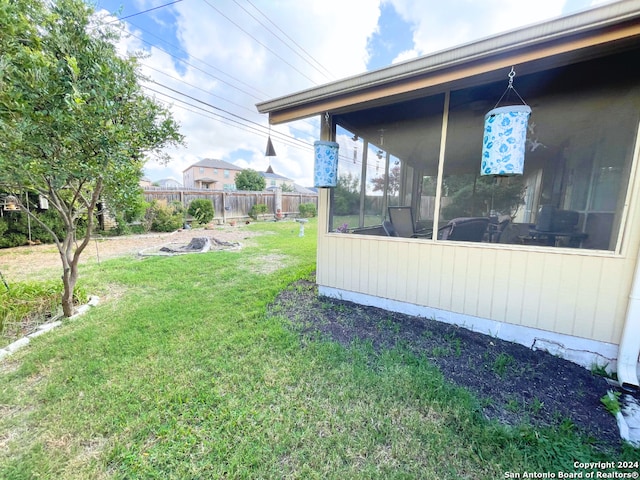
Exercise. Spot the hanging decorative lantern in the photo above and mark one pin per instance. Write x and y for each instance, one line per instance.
(505, 136)
(325, 168)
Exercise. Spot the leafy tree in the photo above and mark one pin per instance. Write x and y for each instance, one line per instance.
(473, 195)
(286, 188)
(346, 195)
(74, 122)
(394, 181)
(250, 180)
(202, 210)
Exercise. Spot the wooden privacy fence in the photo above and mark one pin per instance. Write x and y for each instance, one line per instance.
(234, 205)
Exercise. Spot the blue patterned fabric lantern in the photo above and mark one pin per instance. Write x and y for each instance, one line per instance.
(325, 168)
(504, 140)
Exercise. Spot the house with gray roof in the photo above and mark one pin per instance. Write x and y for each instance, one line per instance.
(211, 174)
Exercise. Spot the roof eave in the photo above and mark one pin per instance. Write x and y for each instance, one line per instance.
(557, 30)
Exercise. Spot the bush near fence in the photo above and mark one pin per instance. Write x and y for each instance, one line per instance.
(233, 205)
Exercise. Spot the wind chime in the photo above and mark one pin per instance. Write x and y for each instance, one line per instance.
(505, 136)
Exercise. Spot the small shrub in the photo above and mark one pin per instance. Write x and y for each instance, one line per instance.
(258, 209)
(9, 240)
(202, 210)
(308, 210)
(165, 218)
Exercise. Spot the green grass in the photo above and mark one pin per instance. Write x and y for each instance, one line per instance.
(179, 373)
(25, 305)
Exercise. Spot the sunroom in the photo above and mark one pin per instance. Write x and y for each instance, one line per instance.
(546, 257)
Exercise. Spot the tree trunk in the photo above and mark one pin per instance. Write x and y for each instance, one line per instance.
(69, 274)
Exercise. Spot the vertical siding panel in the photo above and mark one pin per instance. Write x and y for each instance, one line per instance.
(516, 287)
(373, 269)
(425, 272)
(586, 298)
(381, 261)
(446, 278)
(346, 244)
(488, 261)
(473, 285)
(533, 294)
(399, 263)
(325, 262)
(390, 259)
(434, 278)
(549, 287)
(460, 274)
(412, 280)
(610, 287)
(363, 263)
(500, 291)
(567, 294)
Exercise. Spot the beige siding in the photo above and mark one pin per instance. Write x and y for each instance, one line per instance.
(577, 293)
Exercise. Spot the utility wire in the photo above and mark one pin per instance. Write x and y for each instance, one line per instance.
(286, 138)
(208, 92)
(259, 42)
(328, 73)
(193, 66)
(281, 40)
(145, 11)
(198, 68)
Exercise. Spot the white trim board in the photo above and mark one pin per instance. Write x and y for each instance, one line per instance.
(585, 352)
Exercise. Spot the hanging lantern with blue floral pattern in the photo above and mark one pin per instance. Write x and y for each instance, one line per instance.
(505, 137)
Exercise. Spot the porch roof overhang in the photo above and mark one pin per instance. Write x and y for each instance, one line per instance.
(562, 41)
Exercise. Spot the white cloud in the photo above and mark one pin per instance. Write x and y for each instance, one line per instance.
(232, 69)
(440, 25)
(333, 32)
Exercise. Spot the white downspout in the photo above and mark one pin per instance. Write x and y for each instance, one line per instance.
(629, 349)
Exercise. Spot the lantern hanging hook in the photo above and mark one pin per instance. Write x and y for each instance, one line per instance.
(510, 87)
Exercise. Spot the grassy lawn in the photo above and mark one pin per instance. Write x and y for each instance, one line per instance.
(180, 374)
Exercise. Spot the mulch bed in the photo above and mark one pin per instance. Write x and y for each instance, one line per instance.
(513, 383)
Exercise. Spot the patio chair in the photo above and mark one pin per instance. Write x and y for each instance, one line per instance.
(388, 229)
(464, 229)
(402, 221)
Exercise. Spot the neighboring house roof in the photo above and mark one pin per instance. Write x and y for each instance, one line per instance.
(168, 181)
(275, 176)
(214, 163)
(206, 179)
(301, 189)
(586, 33)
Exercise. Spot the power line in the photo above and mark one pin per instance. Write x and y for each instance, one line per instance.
(145, 11)
(194, 66)
(197, 88)
(283, 137)
(198, 68)
(328, 76)
(259, 42)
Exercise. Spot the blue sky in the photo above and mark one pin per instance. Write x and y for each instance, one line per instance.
(211, 61)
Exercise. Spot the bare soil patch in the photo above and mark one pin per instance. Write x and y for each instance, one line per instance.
(42, 261)
(514, 384)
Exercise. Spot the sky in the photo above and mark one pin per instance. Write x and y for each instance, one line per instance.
(211, 61)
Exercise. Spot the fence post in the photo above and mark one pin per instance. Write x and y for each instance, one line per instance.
(224, 208)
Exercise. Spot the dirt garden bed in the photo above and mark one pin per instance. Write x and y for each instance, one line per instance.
(513, 383)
